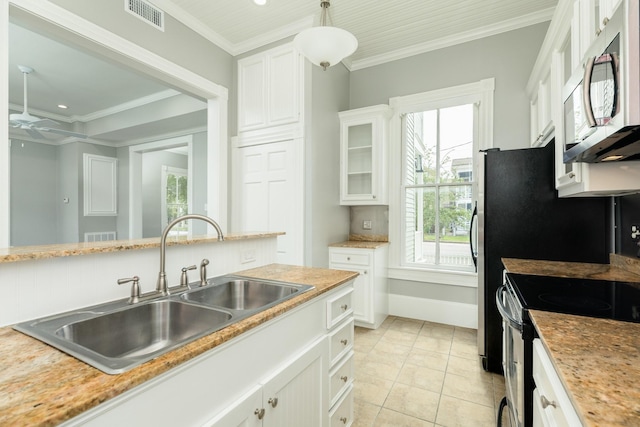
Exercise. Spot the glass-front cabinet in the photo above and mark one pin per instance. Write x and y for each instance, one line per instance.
(363, 168)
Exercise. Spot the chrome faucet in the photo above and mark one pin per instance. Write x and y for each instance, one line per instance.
(161, 286)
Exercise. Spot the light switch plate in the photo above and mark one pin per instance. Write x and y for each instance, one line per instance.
(366, 224)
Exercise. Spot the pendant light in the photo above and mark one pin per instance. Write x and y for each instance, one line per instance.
(325, 45)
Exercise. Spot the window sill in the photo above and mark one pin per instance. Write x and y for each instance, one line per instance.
(442, 277)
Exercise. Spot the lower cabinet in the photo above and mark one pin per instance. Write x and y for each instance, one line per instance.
(294, 370)
(370, 290)
(551, 404)
(291, 397)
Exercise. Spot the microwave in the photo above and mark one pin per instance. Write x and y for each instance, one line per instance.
(602, 100)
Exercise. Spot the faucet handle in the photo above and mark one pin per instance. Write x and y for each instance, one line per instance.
(184, 280)
(135, 288)
(203, 272)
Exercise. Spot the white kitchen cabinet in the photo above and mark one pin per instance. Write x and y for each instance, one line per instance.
(269, 88)
(286, 358)
(542, 126)
(364, 134)
(291, 397)
(551, 404)
(370, 289)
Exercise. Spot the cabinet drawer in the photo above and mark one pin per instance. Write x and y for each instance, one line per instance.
(552, 404)
(341, 377)
(342, 414)
(349, 258)
(339, 307)
(341, 341)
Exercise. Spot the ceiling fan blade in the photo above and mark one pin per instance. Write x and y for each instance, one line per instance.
(33, 133)
(63, 132)
(44, 123)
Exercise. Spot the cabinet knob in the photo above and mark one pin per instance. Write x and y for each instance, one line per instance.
(598, 31)
(343, 419)
(348, 258)
(259, 413)
(374, 196)
(273, 401)
(364, 272)
(605, 21)
(572, 175)
(344, 307)
(344, 342)
(545, 402)
(344, 378)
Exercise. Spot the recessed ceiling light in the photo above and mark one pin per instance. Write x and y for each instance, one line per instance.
(260, 2)
(64, 107)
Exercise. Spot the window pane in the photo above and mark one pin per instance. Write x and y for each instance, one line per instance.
(456, 143)
(455, 210)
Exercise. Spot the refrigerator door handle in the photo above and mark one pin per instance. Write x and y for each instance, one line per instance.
(474, 251)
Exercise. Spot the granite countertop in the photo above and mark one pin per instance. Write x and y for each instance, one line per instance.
(598, 362)
(620, 268)
(23, 253)
(358, 244)
(42, 386)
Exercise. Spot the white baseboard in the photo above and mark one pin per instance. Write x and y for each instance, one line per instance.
(447, 312)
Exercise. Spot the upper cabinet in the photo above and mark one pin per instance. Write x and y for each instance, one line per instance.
(269, 88)
(574, 28)
(363, 146)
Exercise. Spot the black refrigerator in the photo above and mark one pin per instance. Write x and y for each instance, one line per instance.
(519, 215)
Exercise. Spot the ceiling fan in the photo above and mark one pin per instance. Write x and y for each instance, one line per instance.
(34, 125)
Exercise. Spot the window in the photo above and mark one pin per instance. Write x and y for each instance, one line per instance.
(438, 192)
(436, 138)
(174, 198)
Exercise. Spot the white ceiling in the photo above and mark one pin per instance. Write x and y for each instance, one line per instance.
(386, 30)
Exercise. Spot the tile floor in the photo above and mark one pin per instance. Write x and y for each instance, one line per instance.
(410, 373)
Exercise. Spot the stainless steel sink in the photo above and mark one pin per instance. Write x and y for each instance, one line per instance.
(116, 336)
(122, 339)
(243, 293)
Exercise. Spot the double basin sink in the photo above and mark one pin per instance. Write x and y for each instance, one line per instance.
(115, 337)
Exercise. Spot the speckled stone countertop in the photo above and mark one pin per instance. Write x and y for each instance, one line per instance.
(620, 268)
(23, 253)
(358, 244)
(598, 362)
(41, 386)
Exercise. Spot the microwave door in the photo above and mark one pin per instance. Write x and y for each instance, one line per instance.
(601, 89)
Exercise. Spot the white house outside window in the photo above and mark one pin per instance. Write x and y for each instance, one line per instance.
(436, 138)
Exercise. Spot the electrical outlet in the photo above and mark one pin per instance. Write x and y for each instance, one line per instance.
(366, 224)
(635, 231)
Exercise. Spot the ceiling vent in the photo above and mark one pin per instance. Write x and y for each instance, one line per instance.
(146, 11)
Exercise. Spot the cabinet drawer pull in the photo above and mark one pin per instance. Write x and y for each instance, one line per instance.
(344, 342)
(344, 307)
(348, 258)
(273, 401)
(545, 402)
(343, 419)
(344, 378)
(259, 413)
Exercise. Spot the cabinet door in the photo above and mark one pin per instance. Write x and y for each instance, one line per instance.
(252, 93)
(295, 395)
(245, 412)
(362, 309)
(268, 195)
(283, 81)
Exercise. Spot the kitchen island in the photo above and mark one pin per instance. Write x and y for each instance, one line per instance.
(595, 359)
(41, 386)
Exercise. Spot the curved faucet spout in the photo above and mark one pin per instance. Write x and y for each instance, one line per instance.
(161, 286)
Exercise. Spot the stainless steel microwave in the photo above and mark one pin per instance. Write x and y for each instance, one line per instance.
(602, 101)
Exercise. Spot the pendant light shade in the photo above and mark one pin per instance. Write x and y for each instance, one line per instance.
(325, 45)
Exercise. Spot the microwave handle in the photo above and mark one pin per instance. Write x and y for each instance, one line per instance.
(586, 91)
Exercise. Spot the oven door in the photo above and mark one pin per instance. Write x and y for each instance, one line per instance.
(512, 353)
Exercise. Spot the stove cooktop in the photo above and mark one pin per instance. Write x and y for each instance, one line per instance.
(586, 297)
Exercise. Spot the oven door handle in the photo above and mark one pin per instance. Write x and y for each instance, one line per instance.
(512, 321)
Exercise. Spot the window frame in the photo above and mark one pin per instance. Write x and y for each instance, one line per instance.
(480, 93)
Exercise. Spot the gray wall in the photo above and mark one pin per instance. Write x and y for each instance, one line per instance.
(33, 193)
(507, 57)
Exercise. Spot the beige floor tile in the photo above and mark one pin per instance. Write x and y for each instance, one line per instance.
(466, 334)
(418, 376)
(387, 322)
(365, 343)
(428, 359)
(367, 332)
(454, 412)
(480, 392)
(371, 390)
(464, 349)
(438, 345)
(413, 401)
(380, 364)
(399, 351)
(389, 418)
(406, 325)
(364, 413)
(399, 337)
(437, 330)
(469, 368)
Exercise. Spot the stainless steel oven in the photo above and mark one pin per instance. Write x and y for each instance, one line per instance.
(513, 352)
